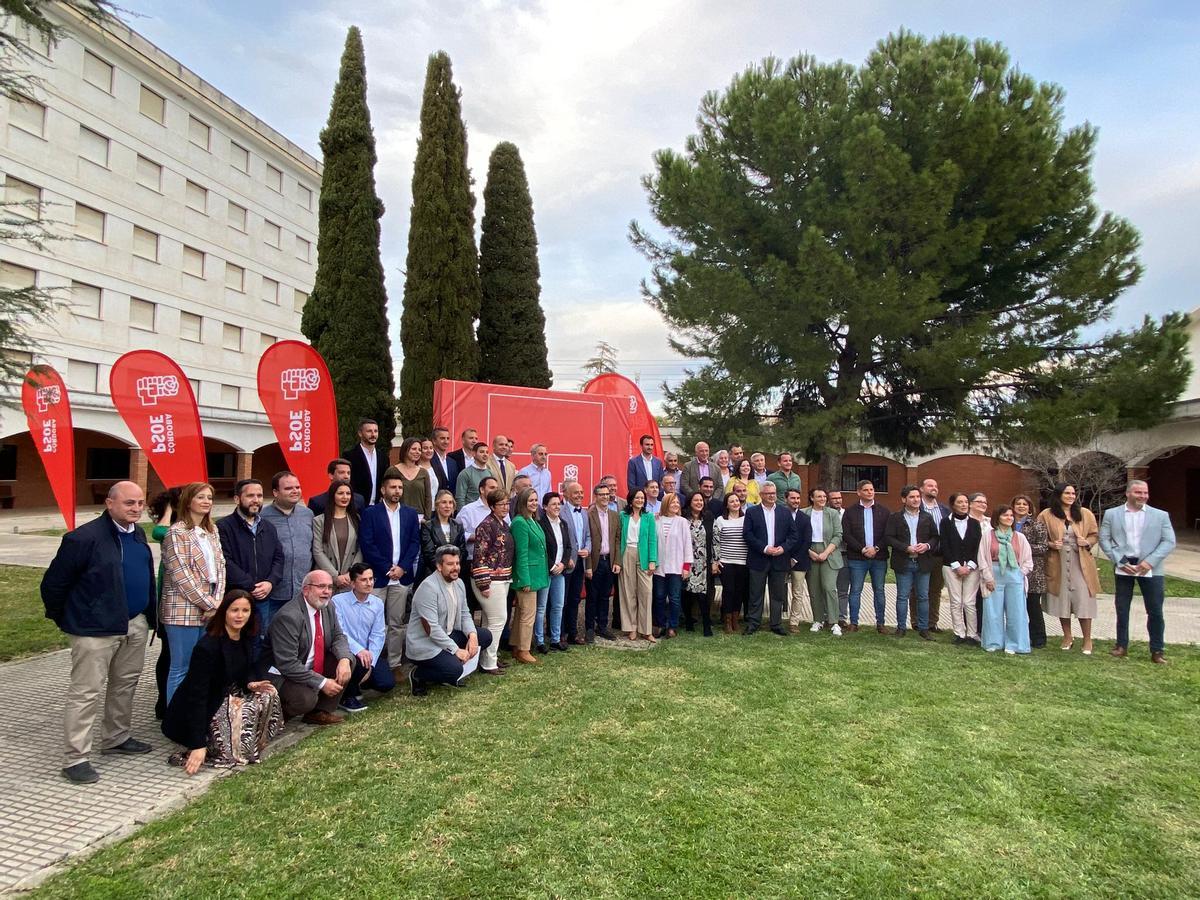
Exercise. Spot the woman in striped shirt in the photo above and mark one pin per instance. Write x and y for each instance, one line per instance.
(729, 545)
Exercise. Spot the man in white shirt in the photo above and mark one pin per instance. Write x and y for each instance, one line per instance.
(361, 615)
(538, 471)
(645, 466)
(758, 469)
(367, 461)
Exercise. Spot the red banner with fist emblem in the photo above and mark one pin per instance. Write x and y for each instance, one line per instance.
(297, 393)
(48, 411)
(155, 399)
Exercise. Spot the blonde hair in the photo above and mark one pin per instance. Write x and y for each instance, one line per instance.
(187, 494)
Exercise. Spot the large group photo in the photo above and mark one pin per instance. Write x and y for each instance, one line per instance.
(808, 504)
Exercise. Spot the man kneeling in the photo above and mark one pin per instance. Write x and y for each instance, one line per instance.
(441, 638)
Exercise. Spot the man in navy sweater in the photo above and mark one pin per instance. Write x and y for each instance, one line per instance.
(99, 589)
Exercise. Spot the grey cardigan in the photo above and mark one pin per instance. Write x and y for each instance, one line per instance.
(427, 635)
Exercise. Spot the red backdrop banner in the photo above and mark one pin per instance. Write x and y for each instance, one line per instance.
(155, 399)
(297, 393)
(48, 411)
(587, 436)
(641, 421)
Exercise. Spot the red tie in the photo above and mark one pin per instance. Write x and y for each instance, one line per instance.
(318, 645)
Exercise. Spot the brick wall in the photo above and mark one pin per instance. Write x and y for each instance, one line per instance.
(966, 472)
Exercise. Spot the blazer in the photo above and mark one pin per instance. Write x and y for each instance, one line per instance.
(1158, 537)
(897, 536)
(529, 555)
(447, 477)
(566, 539)
(647, 540)
(852, 531)
(831, 533)
(755, 531)
(316, 502)
(962, 550)
(433, 537)
(250, 556)
(375, 540)
(635, 472)
(510, 473)
(326, 556)
(217, 665)
(691, 478)
(290, 637)
(614, 536)
(426, 635)
(801, 540)
(360, 473)
(459, 457)
(187, 591)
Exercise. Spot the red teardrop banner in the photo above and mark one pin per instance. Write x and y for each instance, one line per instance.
(296, 391)
(155, 399)
(48, 411)
(641, 421)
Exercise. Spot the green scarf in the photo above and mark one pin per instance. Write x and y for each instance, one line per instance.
(1008, 556)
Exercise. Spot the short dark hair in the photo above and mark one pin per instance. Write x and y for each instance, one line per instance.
(862, 484)
(216, 625)
(999, 511)
(485, 479)
(279, 476)
(644, 437)
(477, 445)
(709, 479)
(443, 551)
(550, 495)
(795, 491)
(366, 421)
(237, 488)
(497, 496)
(357, 569)
(908, 489)
(392, 473)
(439, 428)
(170, 497)
(813, 490)
(334, 463)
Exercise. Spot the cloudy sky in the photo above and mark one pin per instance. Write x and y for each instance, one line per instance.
(589, 90)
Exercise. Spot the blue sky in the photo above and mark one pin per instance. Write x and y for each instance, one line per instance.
(589, 91)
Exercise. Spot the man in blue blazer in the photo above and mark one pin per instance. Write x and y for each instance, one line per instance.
(643, 467)
(1137, 538)
(390, 540)
(770, 549)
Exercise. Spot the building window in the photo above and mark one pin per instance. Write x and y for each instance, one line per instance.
(145, 244)
(239, 157)
(190, 326)
(89, 223)
(8, 462)
(237, 216)
(27, 114)
(193, 261)
(93, 146)
(230, 396)
(299, 298)
(270, 290)
(148, 174)
(303, 249)
(852, 475)
(274, 179)
(235, 277)
(82, 376)
(17, 278)
(271, 234)
(152, 105)
(142, 314)
(107, 464)
(231, 337)
(22, 199)
(265, 341)
(96, 71)
(195, 384)
(304, 196)
(196, 197)
(198, 132)
(85, 300)
(221, 465)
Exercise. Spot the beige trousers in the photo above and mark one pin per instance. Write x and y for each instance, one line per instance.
(637, 595)
(94, 660)
(395, 616)
(799, 606)
(520, 635)
(494, 605)
(962, 593)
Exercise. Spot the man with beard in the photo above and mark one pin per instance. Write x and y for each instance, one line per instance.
(253, 555)
(368, 461)
(441, 636)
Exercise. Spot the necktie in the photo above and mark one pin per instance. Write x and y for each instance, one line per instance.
(318, 644)
(502, 475)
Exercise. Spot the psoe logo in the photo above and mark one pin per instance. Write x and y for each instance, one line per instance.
(571, 472)
(151, 387)
(47, 397)
(633, 404)
(294, 382)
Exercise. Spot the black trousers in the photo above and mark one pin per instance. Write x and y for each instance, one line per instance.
(772, 582)
(1037, 622)
(702, 600)
(574, 587)
(599, 587)
(446, 668)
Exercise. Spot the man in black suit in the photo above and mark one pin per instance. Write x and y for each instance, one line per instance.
(863, 527)
(445, 469)
(338, 470)
(937, 511)
(463, 455)
(770, 549)
(368, 462)
(913, 538)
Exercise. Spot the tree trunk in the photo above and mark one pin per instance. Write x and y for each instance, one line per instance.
(830, 463)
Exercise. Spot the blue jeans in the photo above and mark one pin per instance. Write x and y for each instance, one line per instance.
(183, 640)
(858, 577)
(1005, 617)
(549, 610)
(906, 577)
(668, 600)
(1153, 590)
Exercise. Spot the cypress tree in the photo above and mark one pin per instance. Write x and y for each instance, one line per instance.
(441, 287)
(512, 327)
(345, 317)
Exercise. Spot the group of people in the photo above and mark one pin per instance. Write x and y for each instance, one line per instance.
(294, 608)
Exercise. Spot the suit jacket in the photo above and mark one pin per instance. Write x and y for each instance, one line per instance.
(431, 540)
(375, 540)
(897, 536)
(510, 473)
(187, 592)
(217, 664)
(614, 536)
(831, 533)
(801, 539)
(291, 635)
(447, 477)
(316, 502)
(756, 539)
(635, 472)
(1158, 537)
(360, 474)
(565, 537)
(691, 478)
(326, 556)
(852, 531)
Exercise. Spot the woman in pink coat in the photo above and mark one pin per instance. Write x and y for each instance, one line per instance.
(1005, 563)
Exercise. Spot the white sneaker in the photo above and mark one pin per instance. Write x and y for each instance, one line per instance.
(816, 626)
(1008, 652)
(836, 630)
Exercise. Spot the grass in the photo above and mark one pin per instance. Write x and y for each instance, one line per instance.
(805, 767)
(1172, 586)
(26, 629)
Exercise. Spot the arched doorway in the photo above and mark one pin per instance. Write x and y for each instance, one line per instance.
(1174, 477)
(101, 460)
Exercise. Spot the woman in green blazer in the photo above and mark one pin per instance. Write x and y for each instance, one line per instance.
(826, 560)
(638, 553)
(531, 573)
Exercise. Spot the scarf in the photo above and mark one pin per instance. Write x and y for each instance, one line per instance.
(1007, 556)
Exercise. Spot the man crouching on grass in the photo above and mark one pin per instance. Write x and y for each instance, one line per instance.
(442, 639)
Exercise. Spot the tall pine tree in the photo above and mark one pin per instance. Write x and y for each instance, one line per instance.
(512, 327)
(441, 287)
(345, 317)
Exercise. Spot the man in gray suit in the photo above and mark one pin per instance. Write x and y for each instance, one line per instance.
(441, 636)
(700, 466)
(1137, 538)
(309, 656)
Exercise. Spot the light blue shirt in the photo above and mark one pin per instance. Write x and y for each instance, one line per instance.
(362, 622)
(913, 520)
(869, 525)
(577, 516)
(539, 480)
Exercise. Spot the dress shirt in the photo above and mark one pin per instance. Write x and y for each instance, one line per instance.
(394, 519)
(210, 560)
(605, 544)
(760, 477)
(312, 640)
(469, 518)
(1135, 523)
(702, 470)
(935, 511)
(577, 519)
(912, 519)
(653, 506)
(369, 453)
(362, 622)
(556, 536)
(817, 517)
(648, 465)
(539, 480)
(252, 525)
(868, 524)
(769, 518)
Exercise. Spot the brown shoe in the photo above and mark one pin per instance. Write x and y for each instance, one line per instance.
(524, 656)
(320, 717)
(793, 629)
(881, 629)
(1158, 659)
(1118, 652)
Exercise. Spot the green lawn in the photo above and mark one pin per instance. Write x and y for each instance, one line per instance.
(808, 766)
(26, 629)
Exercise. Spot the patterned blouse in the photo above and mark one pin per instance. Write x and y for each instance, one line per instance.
(1035, 533)
(493, 552)
(697, 581)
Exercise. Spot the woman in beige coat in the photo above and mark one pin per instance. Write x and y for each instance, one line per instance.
(1072, 582)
